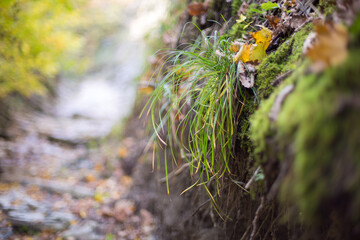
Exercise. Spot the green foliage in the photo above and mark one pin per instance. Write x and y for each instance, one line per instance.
(264, 7)
(327, 7)
(198, 89)
(35, 36)
(235, 5)
(269, 6)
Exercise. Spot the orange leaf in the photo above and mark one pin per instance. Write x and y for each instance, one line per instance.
(146, 90)
(234, 47)
(123, 152)
(273, 21)
(197, 9)
(329, 47)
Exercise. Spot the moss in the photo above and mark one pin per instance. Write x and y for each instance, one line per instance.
(355, 31)
(235, 6)
(319, 118)
(287, 57)
(327, 7)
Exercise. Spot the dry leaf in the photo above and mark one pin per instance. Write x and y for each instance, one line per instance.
(273, 21)
(197, 8)
(329, 46)
(246, 75)
(90, 178)
(123, 152)
(235, 47)
(146, 90)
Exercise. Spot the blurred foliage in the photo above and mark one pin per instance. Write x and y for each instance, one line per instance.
(35, 38)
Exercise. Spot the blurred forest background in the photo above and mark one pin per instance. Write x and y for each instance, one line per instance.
(159, 119)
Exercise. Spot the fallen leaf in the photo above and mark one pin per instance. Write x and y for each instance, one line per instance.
(234, 47)
(262, 37)
(197, 8)
(123, 152)
(90, 178)
(100, 197)
(250, 53)
(83, 214)
(290, 3)
(146, 89)
(98, 167)
(255, 52)
(246, 75)
(273, 21)
(241, 19)
(329, 46)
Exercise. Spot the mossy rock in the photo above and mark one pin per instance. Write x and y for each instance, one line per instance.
(321, 119)
(318, 128)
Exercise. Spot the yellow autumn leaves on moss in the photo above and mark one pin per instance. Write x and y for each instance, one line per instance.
(255, 52)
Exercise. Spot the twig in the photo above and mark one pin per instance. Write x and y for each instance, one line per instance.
(201, 205)
(254, 222)
(310, 19)
(245, 233)
(248, 184)
(280, 78)
(176, 172)
(280, 98)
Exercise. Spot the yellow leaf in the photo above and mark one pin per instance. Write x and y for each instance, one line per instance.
(244, 53)
(242, 18)
(247, 25)
(250, 53)
(255, 52)
(99, 197)
(263, 37)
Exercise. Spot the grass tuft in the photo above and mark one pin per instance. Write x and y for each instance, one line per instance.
(193, 107)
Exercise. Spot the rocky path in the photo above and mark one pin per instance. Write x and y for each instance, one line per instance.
(59, 186)
(61, 176)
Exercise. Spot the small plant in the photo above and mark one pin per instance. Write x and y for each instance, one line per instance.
(198, 95)
(264, 7)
